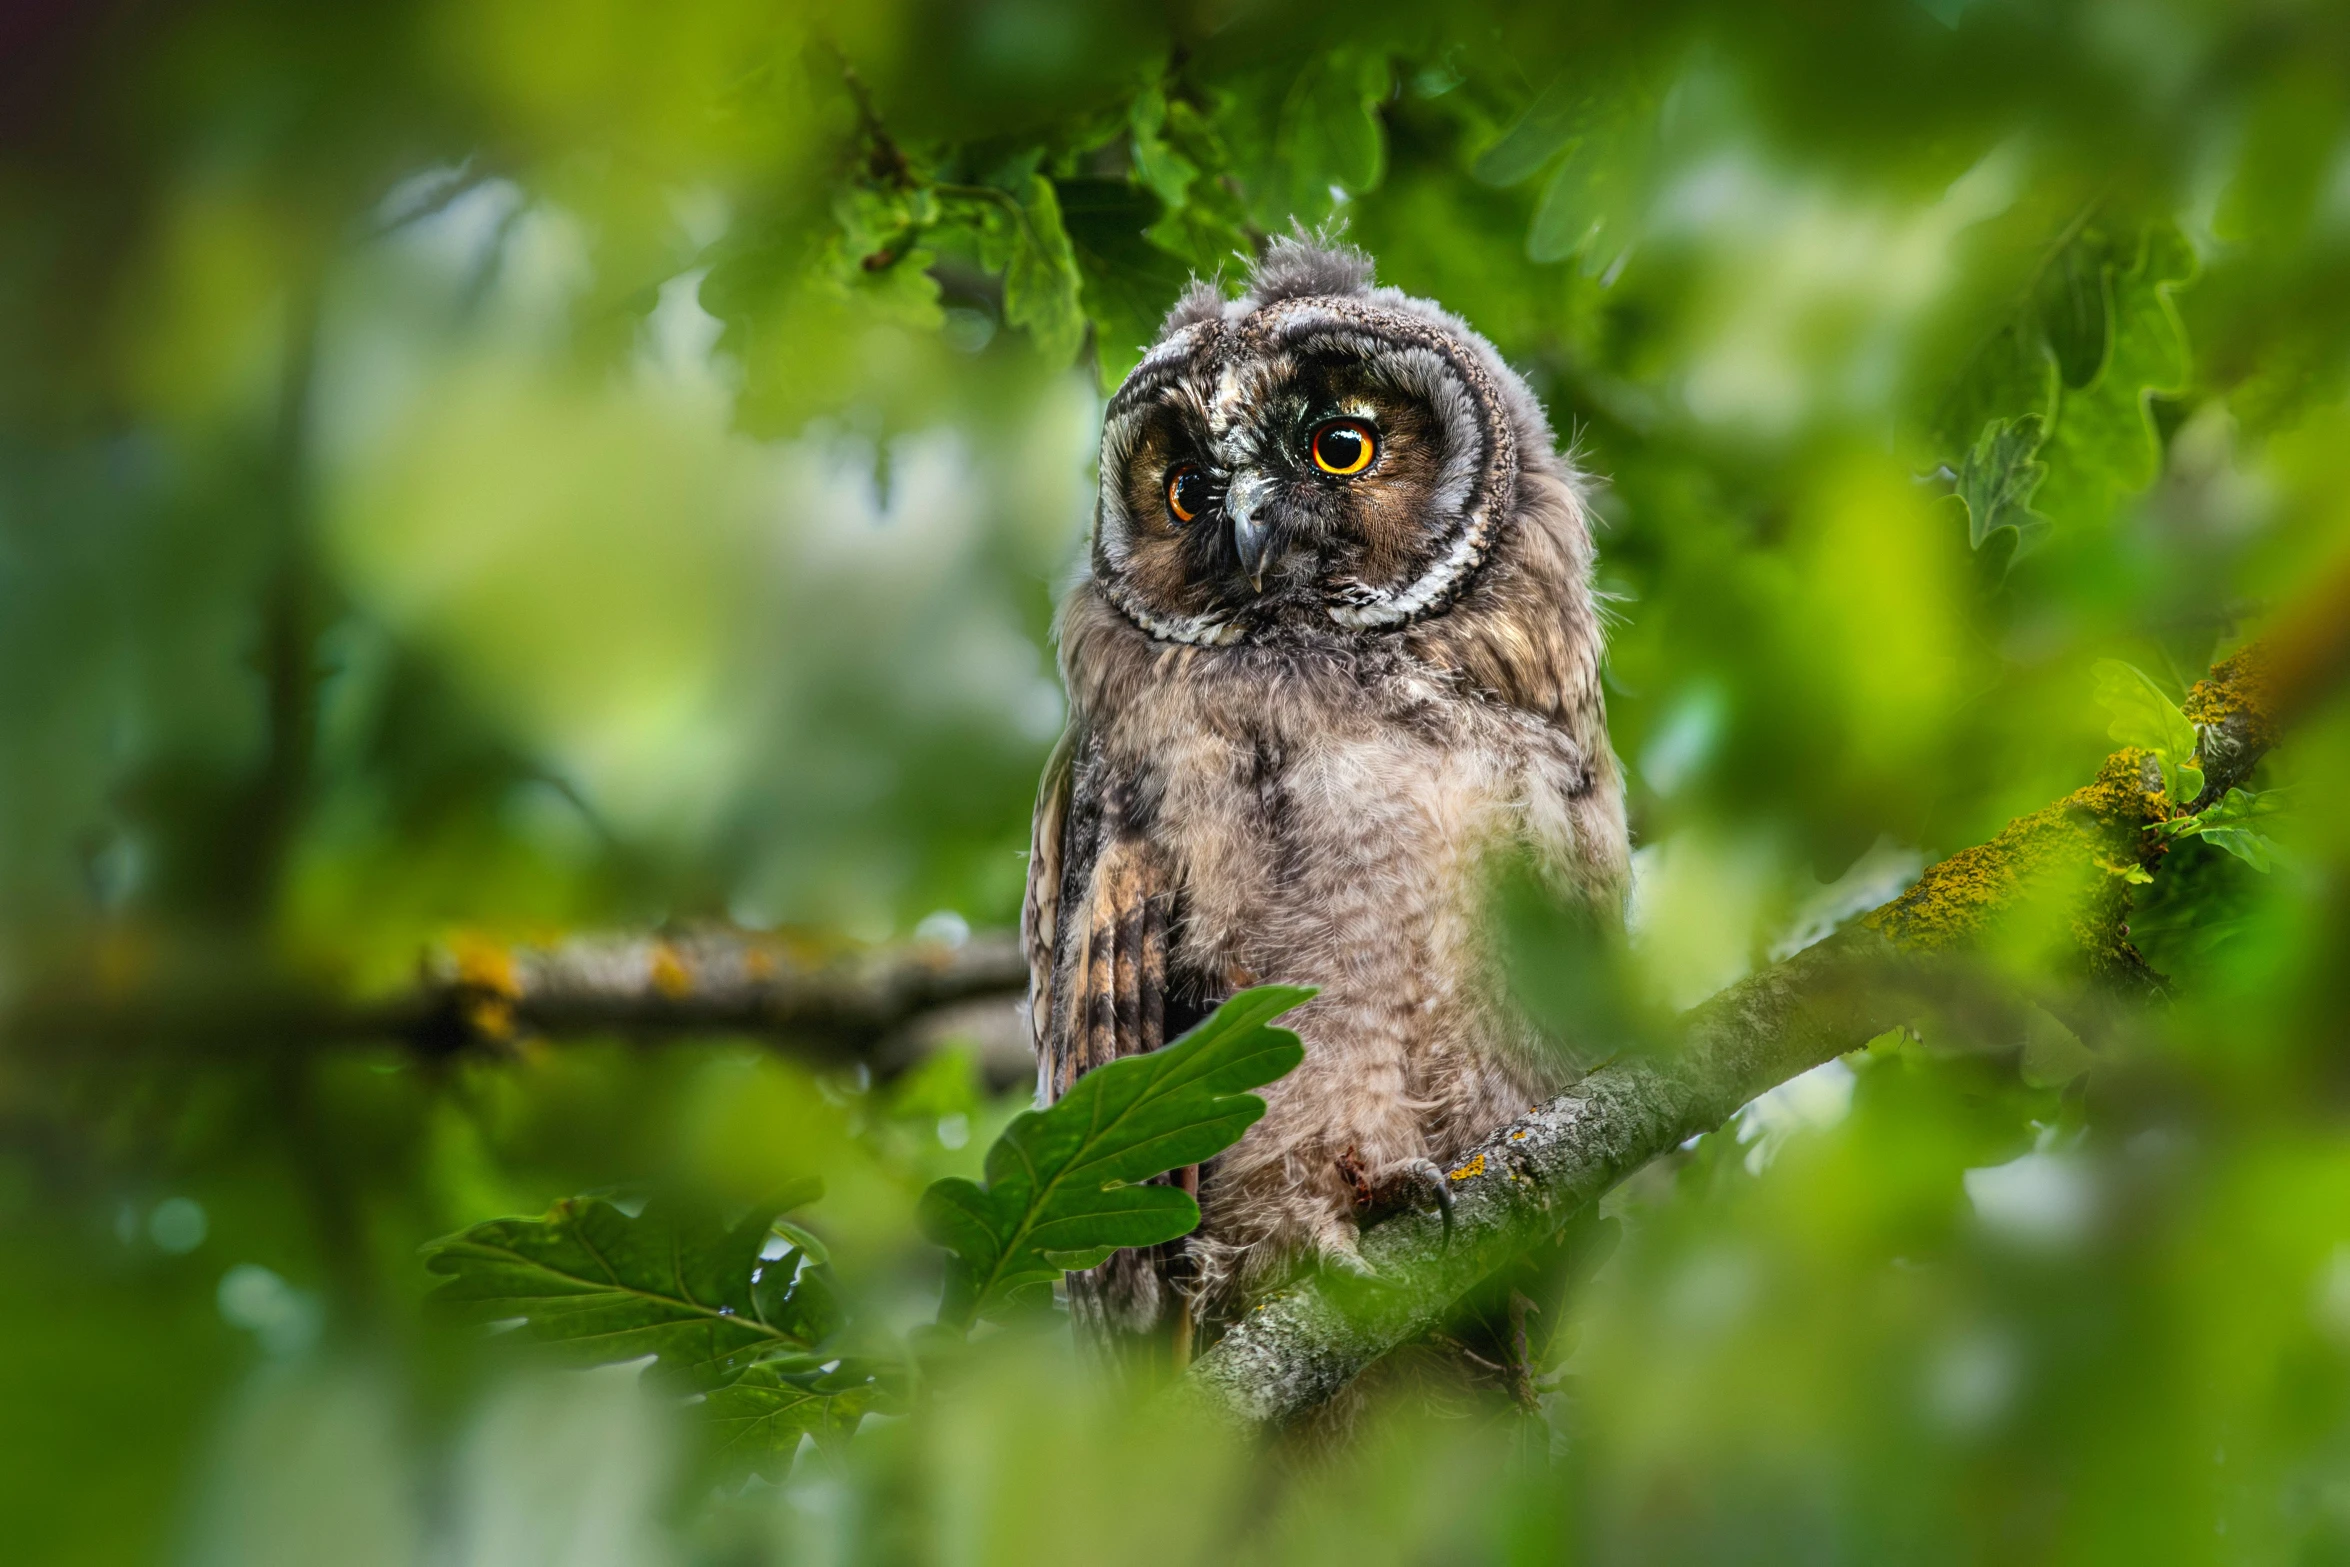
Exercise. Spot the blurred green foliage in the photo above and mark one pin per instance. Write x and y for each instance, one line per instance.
(515, 466)
(746, 1313)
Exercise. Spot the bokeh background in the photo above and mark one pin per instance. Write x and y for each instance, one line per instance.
(497, 469)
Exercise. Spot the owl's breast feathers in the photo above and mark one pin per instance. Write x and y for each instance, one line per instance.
(1222, 816)
(1219, 817)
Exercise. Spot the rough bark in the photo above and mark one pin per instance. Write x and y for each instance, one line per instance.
(1302, 1345)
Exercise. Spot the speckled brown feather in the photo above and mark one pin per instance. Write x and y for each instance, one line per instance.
(1097, 977)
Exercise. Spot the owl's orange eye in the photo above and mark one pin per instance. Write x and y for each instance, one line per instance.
(1344, 447)
(1187, 493)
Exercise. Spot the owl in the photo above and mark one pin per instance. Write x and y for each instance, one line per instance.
(1335, 655)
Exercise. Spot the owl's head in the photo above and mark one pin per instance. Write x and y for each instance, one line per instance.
(1317, 457)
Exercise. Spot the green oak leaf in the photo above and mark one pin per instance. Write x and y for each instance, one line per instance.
(2222, 824)
(1041, 282)
(2073, 300)
(600, 1286)
(1997, 480)
(1549, 123)
(1207, 229)
(1308, 136)
(756, 1421)
(2103, 445)
(1128, 282)
(1066, 1186)
(1330, 130)
(2238, 806)
(2254, 849)
(1158, 162)
(1571, 212)
(875, 256)
(1587, 205)
(748, 1331)
(2013, 375)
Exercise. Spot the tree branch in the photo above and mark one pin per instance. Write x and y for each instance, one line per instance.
(835, 1005)
(1297, 1348)
(841, 1003)
(1304, 1344)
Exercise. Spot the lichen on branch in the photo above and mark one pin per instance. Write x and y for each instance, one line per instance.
(2075, 861)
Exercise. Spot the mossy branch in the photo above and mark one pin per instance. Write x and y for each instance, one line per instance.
(2071, 860)
(1296, 1349)
(2067, 871)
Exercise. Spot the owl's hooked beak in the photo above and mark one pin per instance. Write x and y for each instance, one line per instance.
(1251, 534)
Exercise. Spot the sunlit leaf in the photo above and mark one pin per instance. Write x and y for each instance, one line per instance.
(2244, 805)
(2223, 825)
(2142, 714)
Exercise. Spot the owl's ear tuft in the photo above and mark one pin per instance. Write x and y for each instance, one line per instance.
(1202, 301)
(1298, 265)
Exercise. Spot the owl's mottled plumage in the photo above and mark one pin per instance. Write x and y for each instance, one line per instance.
(1298, 772)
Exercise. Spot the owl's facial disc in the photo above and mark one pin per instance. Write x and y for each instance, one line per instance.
(1318, 467)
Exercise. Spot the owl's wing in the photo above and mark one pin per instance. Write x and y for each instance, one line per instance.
(1040, 906)
(1095, 926)
(1094, 923)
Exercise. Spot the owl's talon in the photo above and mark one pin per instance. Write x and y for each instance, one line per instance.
(1433, 1174)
